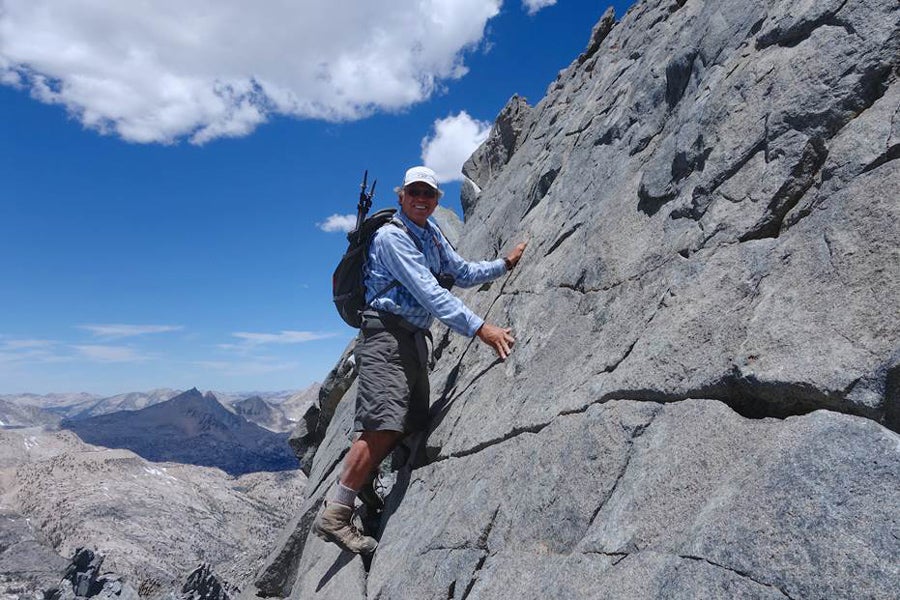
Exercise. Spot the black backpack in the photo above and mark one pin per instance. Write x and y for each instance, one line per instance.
(347, 281)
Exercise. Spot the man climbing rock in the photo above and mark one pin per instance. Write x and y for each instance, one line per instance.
(392, 354)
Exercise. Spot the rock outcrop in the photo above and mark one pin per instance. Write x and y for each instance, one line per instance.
(84, 579)
(153, 522)
(28, 563)
(705, 390)
(204, 584)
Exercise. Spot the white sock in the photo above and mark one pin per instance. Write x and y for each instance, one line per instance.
(341, 494)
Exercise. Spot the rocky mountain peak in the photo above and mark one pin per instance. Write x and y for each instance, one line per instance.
(193, 428)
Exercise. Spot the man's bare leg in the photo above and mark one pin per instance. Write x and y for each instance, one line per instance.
(365, 455)
(334, 522)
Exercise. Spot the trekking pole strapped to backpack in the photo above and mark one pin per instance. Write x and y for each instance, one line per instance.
(365, 203)
(348, 286)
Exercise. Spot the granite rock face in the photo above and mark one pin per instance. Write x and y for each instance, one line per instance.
(705, 388)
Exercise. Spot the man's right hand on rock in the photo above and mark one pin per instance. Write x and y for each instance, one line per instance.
(498, 338)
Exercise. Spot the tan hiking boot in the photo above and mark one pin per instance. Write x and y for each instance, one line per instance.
(334, 525)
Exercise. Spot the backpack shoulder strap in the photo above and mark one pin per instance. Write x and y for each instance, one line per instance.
(401, 225)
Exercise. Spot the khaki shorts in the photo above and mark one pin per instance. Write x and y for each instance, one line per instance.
(393, 391)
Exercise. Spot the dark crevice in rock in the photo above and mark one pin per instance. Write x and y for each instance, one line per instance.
(702, 194)
(892, 398)
(326, 478)
(892, 153)
(615, 365)
(482, 545)
(802, 177)
(451, 591)
(474, 379)
(643, 142)
(755, 29)
(636, 433)
(686, 162)
(649, 203)
(617, 556)
(474, 578)
(802, 30)
(516, 432)
(563, 237)
(738, 572)
(440, 347)
(872, 85)
(486, 532)
(541, 188)
(447, 395)
(678, 75)
(583, 128)
(755, 399)
(579, 287)
(452, 378)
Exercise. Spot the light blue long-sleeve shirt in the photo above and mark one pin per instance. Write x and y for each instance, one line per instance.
(394, 256)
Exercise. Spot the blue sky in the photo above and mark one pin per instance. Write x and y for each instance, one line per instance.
(170, 234)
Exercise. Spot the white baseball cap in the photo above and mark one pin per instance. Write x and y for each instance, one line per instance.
(423, 174)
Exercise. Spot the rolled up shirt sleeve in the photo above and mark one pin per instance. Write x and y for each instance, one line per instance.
(406, 264)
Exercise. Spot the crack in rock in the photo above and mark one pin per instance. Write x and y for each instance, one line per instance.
(481, 544)
(516, 432)
(620, 556)
(638, 432)
(563, 237)
(662, 303)
(801, 179)
(738, 572)
(892, 153)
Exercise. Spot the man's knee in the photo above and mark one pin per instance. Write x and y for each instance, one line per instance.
(380, 439)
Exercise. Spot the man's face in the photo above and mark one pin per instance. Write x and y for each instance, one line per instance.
(418, 201)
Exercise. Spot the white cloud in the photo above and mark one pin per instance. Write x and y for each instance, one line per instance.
(338, 223)
(101, 353)
(283, 337)
(454, 140)
(532, 6)
(163, 70)
(121, 331)
(26, 344)
(22, 351)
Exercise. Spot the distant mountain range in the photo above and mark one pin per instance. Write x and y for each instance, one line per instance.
(281, 409)
(191, 428)
(13, 414)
